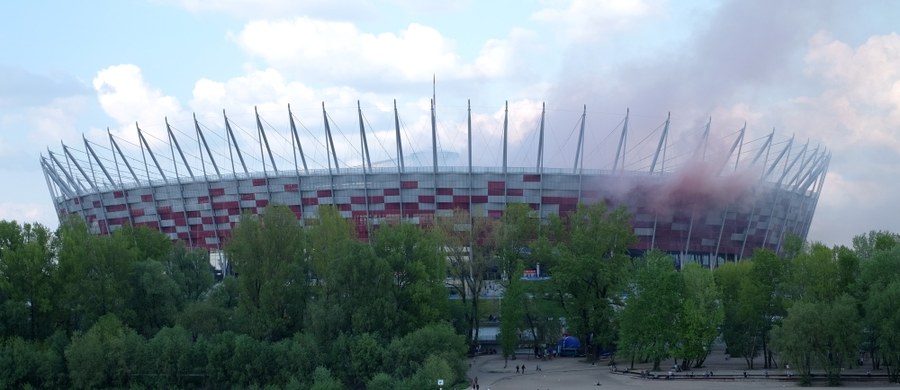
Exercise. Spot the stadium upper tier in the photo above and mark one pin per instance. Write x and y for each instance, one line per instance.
(700, 197)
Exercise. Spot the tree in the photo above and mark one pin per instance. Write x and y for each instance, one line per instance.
(877, 273)
(511, 315)
(27, 275)
(883, 315)
(381, 381)
(323, 380)
(649, 321)
(31, 364)
(434, 367)
(148, 242)
(589, 276)
(819, 334)
(701, 316)
(515, 231)
(354, 297)
(153, 302)
(468, 250)
(329, 237)
(94, 274)
(169, 355)
(744, 307)
(865, 245)
(269, 256)
(769, 273)
(408, 353)
(366, 358)
(417, 270)
(107, 355)
(814, 275)
(191, 271)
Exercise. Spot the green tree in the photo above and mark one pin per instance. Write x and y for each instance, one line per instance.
(366, 358)
(433, 368)
(204, 319)
(153, 300)
(865, 245)
(269, 256)
(877, 273)
(649, 320)
(814, 275)
(511, 313)
(744, 305)
(819, 334)
(329, 237)
(589, 276)
(883, 316)
(417, 271)
(31, 364)
(701, 316)
(466, 242)
(381, 381)
(355, 298)
(515, 231)
(407, 354)
(769, 274)
(191, 271)
(148, 242)
(219, 348)
(11, 236)
(170, 357)
(27, 276)
(94, 274)
(323, 380)
(107, 355)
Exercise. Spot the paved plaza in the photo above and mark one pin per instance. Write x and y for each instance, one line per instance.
(575, 374)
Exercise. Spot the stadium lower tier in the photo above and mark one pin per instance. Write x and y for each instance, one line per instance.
(202, 212)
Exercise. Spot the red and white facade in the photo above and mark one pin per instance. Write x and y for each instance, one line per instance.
(202, 210)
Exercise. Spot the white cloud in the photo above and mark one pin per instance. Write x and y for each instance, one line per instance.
(127, 98)
(57, 120)
(279, 8)
(589, 20)
(855, 113)
(27, 212)
(338, 52)
(862, 88)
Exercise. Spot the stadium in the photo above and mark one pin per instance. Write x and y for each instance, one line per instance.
(700, 197)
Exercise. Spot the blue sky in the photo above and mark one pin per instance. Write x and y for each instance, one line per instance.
(821, 70)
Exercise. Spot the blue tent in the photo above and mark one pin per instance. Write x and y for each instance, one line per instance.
(568, 346)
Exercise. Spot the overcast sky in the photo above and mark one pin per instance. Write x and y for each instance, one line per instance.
(823, 71)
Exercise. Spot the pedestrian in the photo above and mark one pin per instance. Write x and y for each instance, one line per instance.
(523, 368)
(517, 368)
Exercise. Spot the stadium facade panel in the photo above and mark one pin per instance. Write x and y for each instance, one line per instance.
(693, 213)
